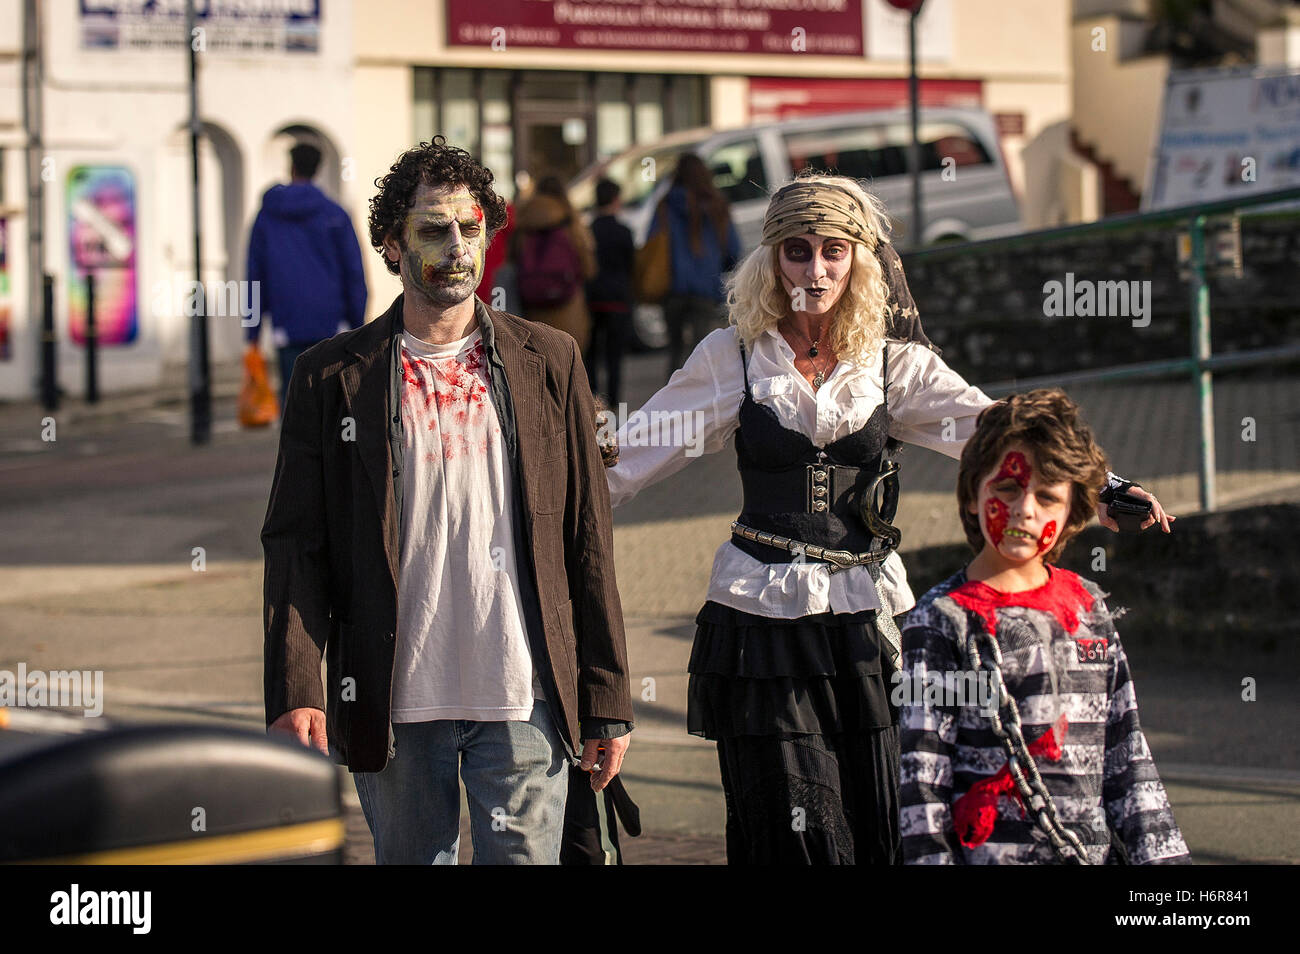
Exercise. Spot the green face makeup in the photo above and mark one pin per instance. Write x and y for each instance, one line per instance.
(443, 244)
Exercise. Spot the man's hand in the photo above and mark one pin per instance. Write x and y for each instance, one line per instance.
(606, 755)
(307, 725)
(1158, 514)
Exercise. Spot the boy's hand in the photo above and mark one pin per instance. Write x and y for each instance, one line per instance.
(1158, 514)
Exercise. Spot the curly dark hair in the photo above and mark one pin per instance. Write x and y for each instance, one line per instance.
(434, 164)
(1051, 425)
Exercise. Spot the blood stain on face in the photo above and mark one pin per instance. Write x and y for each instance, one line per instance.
(1015, 467)
(995, 514)
(1046, 538)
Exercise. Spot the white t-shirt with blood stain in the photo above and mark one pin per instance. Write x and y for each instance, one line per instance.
(462, 649)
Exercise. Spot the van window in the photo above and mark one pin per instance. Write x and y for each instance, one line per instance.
(636, 172)
(738, 170)
(873, 152)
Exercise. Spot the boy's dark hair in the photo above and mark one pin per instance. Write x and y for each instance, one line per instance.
(304, 160)
(434, 164)
(1050, 425)
(607, 190)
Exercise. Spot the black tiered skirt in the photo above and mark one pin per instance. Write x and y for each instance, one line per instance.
(807, 736)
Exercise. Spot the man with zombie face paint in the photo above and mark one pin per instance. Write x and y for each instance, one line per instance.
(824, 368)
(439, 529)
(1053, 767)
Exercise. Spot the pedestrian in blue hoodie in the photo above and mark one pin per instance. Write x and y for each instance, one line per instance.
(703, 245)
(304, 252)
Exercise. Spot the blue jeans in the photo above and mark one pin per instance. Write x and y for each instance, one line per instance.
(516, 779)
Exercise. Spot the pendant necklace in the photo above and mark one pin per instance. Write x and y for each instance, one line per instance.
(820, 377)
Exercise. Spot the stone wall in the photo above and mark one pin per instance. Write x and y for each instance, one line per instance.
(985, 306)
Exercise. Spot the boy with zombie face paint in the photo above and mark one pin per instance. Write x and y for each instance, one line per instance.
(1061, 771)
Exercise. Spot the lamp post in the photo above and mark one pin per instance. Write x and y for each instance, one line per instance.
(913, 7)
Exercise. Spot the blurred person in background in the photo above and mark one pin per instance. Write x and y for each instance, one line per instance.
(304, 254)
(554, 256)
(498, 271)
(703, 245)
(609, 294)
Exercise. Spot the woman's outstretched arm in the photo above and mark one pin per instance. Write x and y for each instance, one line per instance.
(692, 415)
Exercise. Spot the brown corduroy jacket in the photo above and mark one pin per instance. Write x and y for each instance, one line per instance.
(332, 533)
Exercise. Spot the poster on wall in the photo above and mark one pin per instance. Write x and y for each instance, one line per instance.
(1225, 133)
(101, 238)
(240, 26)
(826, 27)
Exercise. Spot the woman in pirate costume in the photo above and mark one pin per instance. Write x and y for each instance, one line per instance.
(796, 646)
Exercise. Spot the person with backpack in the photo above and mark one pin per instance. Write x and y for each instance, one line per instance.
(554, 255)
(703, 244)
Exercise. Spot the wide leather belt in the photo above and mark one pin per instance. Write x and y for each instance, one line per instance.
(839, 559)
(812, 488)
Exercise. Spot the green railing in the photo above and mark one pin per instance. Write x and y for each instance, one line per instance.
(1200, 364)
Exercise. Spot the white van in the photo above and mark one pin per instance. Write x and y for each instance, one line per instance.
(972, 201)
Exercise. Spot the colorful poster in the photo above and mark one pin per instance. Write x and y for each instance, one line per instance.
(6, 302)
(101, 238)
(684, 26)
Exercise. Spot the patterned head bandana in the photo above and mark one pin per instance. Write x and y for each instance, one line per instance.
(817, 207)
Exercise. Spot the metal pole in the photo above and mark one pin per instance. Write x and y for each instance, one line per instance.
(49, 342)
(39, 299)
(92, 342)
(200, 369)
(1202, 377)
(914, 154)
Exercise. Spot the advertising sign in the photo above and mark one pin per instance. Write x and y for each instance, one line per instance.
(703, 26)
(1225, 133)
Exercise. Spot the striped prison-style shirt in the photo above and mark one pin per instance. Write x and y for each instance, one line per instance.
(1063, 664)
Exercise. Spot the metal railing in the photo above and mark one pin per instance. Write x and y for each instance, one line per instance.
(1200, 364)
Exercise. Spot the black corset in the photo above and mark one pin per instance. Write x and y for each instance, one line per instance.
(795, 489)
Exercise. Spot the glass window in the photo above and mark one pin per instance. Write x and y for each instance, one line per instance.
(425, 114)
(871, 152)
(613, 115)
(738, 170)
(649, 108)
(459, 110)
(497, 133)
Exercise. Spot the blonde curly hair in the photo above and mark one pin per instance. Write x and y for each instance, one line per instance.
(756, 299)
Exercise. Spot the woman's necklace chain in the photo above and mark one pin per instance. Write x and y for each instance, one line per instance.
(820, 377)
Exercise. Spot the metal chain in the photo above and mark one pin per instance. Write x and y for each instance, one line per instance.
(1033, 792)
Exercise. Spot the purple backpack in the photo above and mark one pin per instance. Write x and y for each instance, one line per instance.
(548, 272)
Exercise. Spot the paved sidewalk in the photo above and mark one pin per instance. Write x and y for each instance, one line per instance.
(97, 571)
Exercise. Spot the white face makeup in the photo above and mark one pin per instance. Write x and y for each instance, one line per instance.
(819, 267)
(442, 246)
(1020, 515)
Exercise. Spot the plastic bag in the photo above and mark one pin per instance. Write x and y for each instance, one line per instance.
(257, 404)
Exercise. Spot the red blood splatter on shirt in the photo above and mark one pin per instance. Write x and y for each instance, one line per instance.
(453, 387)
(1046, 538)
(1062, 595)
(976, 812)
(996, 512)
